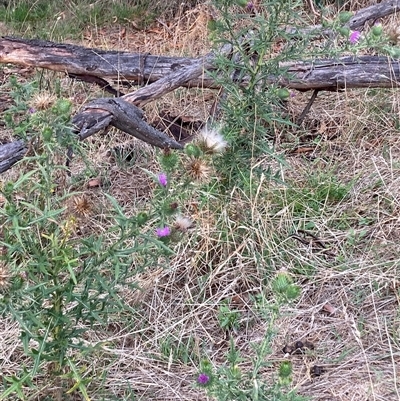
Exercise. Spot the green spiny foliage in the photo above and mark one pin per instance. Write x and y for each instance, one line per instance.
(61, 284)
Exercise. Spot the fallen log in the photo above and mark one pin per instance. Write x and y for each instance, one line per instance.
(122, 113)
(95, 65)
(331, 74)
(328, 75)
(85, 62)
(10, 153)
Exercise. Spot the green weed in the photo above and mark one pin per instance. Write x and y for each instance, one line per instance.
(60, 284)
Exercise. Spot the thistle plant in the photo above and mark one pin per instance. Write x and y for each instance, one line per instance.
(262, 38)
(251, 113)
(181, 177)
(231, 382)
(55, 281)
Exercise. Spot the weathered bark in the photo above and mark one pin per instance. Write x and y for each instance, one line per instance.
(10, 153)
(101, 113)
(357, 21)
(84, 62)
(176, 78)
(345, 72)
(373, 13)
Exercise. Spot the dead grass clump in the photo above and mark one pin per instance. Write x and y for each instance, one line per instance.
(185, 34)
(10, 350)
(353, 343)
(173, 8)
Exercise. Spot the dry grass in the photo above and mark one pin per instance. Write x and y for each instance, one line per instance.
(349, 306)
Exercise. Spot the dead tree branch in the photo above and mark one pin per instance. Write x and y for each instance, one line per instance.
(357, 21)
(345, 72)
(10, 153)
(101, 113)
(84, 62)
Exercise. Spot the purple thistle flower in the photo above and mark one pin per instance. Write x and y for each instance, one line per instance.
(203, 379)
(163, 232)
(162, 179)
(354, 37)
(250, 6)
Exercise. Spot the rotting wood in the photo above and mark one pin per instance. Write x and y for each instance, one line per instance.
(344, 72)
(85, 62)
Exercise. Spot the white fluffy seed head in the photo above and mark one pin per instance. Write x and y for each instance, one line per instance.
(211, 141)
(183, 223)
